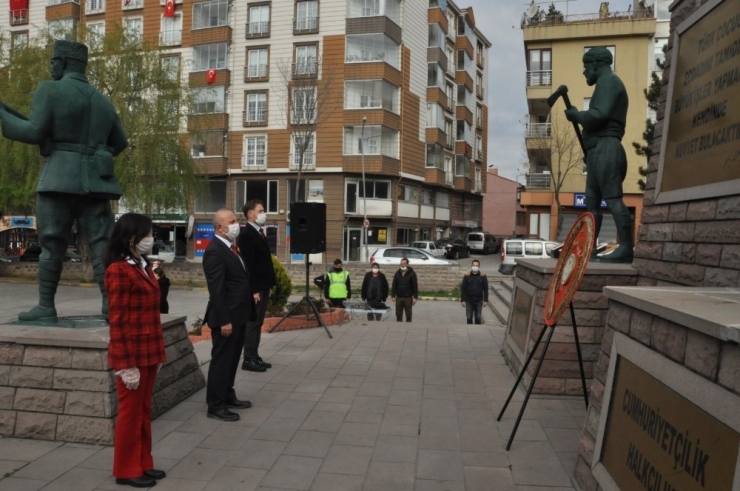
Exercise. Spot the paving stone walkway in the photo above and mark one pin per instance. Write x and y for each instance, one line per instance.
(381, 406)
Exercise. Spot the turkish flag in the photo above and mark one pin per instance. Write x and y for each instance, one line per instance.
(169, 8)
(210, 76)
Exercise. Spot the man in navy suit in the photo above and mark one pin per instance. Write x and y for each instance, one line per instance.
(255, 253)
(229, 308)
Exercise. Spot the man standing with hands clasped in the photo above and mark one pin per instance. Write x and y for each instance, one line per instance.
(405, 290)
(255, 253)
(229, 308)
(474, 292)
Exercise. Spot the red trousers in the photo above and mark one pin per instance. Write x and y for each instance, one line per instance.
(132, 450)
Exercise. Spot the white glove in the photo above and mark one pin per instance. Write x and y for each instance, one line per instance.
(130, 377)
(159, 367)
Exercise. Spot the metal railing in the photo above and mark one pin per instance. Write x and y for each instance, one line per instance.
(308, 161)
(255, 71)
(255, 116)
(539, 78)
(132, 4)
(18, 17)
(305, 69)
(254, 162)
(538, 130)
(539, 181)
(594, 17)
(170, 38)
(258, 29)
(306, 24)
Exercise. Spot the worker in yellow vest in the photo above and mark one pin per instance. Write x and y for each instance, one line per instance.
(337, 288)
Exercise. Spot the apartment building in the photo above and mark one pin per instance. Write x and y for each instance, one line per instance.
(554, 48)
(408, 109)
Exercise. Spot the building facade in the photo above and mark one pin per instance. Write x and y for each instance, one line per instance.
(396, 89)
(554, 48)
(503, 216)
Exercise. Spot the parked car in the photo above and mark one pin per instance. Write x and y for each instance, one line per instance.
(32, 255)
(416, 257)
(456, 248)
(514, 249)
(7, 258)
(483, 242)
(430, 247)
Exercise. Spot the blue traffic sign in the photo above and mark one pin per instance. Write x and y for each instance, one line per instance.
(579, 201)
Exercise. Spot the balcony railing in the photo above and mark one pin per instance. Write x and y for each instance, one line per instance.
(18, 17)
(539, 181)
(305, 25)
(170, 38)
(97, 7)
(539, 78)
(255, 117)
(593, 17)
(255, 71)
(305, 69)
(132, 4)
(308, 161)
(538, 130)
(479, 92)
(258, 29)
(254, 162)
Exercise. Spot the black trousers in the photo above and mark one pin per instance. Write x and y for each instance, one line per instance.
(404, 304)
(225, 355)
(253, 334)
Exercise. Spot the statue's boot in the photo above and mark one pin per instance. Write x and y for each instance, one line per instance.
(49, 274)
(598, 218)
(624, 252)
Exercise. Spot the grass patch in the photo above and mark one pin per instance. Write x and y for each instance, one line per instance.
(454, 293)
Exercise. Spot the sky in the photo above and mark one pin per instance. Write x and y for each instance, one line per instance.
(499, 21)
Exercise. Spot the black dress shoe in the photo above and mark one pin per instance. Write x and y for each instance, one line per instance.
(253, 366)
(263, 363)
(155, 474)
(223, 415)
(138, 482)
(237, 404)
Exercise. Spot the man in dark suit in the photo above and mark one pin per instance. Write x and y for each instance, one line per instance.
(229, 308)
(255, 253)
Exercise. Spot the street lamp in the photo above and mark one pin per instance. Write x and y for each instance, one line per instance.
(364, 188)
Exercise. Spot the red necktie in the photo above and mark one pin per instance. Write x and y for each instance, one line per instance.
(234, 250)
(262, 233)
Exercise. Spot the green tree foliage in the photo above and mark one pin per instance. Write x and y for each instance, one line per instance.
(282, 289)
(643, 148)
(156, 172)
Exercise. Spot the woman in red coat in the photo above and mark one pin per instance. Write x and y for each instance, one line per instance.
(136, 349)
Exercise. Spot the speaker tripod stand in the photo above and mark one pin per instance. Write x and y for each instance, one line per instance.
(309, 305)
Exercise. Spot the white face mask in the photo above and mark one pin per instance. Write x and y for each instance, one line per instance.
(145, 245)
(261, 219)
(375, 270)
(403, 268)
(475, 269)
(233, 232)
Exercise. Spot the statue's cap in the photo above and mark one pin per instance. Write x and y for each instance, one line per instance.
(71, 50)
(598, 54)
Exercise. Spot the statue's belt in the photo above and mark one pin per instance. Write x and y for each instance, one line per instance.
(74, 147)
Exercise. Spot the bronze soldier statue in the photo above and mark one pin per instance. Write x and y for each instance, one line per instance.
(606, 162)
(78, 132)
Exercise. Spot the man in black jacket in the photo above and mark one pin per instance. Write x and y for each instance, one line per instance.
(474, 292)
(405, 290)
(257, 257)
(375, 291)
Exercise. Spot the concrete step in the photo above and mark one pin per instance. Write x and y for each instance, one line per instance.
(508, 283)
(499, 299)
(502, 291)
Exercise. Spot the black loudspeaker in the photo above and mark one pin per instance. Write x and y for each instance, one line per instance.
(307, 228)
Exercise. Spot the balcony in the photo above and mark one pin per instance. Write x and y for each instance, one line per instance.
(255, 73)
(170, 38)
(305, 69)
(540, 78)
(539, 181)
(255, 117)
(132, 4)
(306, 25)
(309, 162)
(254, 162)
(258, 30)
(538, 130)
(18, 17)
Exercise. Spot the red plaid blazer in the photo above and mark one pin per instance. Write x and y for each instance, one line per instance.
(136, 338)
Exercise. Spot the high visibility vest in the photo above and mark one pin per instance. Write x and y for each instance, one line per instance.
(338, 284)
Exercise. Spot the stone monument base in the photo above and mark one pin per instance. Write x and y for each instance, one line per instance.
(55, 383)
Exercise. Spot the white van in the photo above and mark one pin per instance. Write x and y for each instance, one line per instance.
(513, 249)
(482, 242)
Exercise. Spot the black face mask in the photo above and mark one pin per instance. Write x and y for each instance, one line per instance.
(337, 268)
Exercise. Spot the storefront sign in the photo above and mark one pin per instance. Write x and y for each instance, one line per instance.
(579, 201)
(203, 235)
(16, 222)
(656, 439)
(700, 147)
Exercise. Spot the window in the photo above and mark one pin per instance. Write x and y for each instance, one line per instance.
(532, 248)
(255, 152)
(171, 30)
(209, 56)
(462, 95)
(435, 116)
(462, 166)
(479, 54)
(305, 143)
(18, 40)
(265, 191)
(95, 35)
(303, 108)
(169, 111)
(443, 200)
(209, 99)
(94, 6)
(426, 197)
(436, 36)
(375, 140)
(210, 14)
(259, 21)
(361, 94)
(372, 47)
(170, 66)
(434, 156)
(257, 63)
(403, 236)
(134, 27)
(460, 134)
(305, 60)
(375, 189)
(207, 144)
(478, 147)
(479, 85)
(409, 194)
(213, 198)
(612, 50)
(450, 60)
(478, 181)
(539, 66)
(307, 16)
(63, 29)
(256, 107)
(435, 76)
(479, 116)
(450, 93)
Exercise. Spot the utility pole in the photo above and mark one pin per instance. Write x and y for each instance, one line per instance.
(364, 188)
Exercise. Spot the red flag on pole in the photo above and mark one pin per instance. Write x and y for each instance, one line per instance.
(169, 8)
(210, 76)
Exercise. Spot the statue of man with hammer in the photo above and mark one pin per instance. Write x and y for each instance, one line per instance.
(606, 161)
